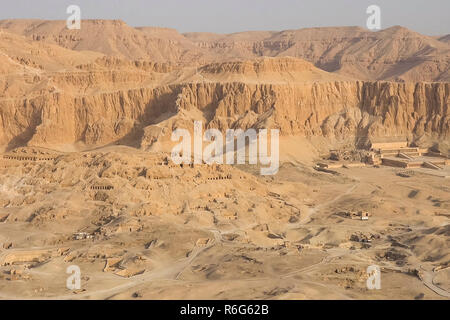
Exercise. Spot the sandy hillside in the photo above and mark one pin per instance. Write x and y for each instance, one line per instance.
(140, 228)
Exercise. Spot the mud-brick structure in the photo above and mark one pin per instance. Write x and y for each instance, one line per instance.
(400, 155)
(102, 187)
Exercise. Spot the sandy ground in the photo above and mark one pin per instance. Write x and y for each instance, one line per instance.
(190, 233)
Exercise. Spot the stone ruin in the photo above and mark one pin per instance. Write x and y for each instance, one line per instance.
(395, 154)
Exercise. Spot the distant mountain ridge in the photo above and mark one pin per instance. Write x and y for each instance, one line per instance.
(395, 54)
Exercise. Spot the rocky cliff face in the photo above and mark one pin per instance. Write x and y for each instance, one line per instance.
(59, 98)
(332, 109)
(352, 109)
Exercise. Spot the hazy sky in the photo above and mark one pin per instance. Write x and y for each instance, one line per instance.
(430, 17)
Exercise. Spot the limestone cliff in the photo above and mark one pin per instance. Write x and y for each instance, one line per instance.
(65, 99)
(352, 109)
